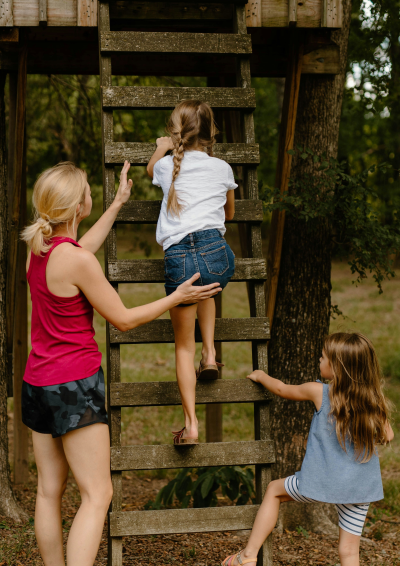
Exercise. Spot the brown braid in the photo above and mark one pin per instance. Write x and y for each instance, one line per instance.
(191, 125)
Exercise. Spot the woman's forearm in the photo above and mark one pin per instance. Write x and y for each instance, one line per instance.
(145, 313)
(94, 238)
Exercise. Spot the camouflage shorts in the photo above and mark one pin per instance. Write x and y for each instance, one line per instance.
(57, 409)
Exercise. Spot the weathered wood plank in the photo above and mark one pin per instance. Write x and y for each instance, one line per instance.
(226, 330)
(140, 153)
(139, 97)
(253, 14)
(213, 454)
(232, 518)
(6, 13)
(86, 15)
(325, 60)
(152, 270)
(163, 393)
(174, 42)
(210, 10)
(147, 212)
(61, 12)
(43, 12)
(331, 13)
(275, 13)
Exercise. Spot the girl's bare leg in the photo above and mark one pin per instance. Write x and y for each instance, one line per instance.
(349, 548)
(206, 317)
(52, 469)
(88, 453)
(183, 321)
(266, 519)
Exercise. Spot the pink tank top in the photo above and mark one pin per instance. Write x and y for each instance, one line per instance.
(62, 333)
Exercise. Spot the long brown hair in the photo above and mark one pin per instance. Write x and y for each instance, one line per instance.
(191, 124)
(358, 405)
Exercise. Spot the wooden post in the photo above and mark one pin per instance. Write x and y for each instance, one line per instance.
(21, 452)
(286, 137)
(15, 210)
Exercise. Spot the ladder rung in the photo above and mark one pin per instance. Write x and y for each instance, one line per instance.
(140, 97)
(175, 42)
(148, 211)
(163, 393)
(226, 330)
(140, 153)
(152, 270)
(229, 518)
(211, 454)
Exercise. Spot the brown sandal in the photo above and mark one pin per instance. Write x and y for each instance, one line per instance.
(208, 371)
(179, 441)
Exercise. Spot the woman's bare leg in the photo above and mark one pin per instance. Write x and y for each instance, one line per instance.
(183, 320)
(88, 453)
(52, 469)
(206, 317)
(266, 519)
(349, 548)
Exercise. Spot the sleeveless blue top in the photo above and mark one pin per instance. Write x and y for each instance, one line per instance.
(331, 475)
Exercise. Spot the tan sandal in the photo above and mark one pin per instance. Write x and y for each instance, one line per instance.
(210, 371)
(229, 560)
(179, 441)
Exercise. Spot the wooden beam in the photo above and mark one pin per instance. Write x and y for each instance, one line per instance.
(21, 450)
(226, 330)
(43, 12)
(286, 137)
(253, 14)
(6, 13)
(292, 19)
(153, 457)
(86, 13)
(15, 211)
(204, 520)
(170, 11)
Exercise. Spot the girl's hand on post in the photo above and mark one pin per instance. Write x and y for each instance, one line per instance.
(125, 186)
(188, 293)
(165, 143)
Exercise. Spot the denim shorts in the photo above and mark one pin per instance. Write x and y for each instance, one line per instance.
(205, 252)
(58, 409)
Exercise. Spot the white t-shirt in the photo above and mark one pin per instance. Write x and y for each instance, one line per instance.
(201, 188)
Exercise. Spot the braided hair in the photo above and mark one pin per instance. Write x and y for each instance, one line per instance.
(191, 125)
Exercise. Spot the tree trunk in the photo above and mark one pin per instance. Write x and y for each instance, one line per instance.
(8, 504)
(303, 302)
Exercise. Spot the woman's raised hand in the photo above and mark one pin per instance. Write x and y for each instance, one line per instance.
(191, 294)
(165, 143)
(124, 189)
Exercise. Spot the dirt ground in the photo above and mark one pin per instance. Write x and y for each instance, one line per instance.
(380, 545)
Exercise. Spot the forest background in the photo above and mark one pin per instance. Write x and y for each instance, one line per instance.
(63, 124)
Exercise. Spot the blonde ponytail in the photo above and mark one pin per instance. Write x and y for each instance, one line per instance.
(191, 124)
(56, 196)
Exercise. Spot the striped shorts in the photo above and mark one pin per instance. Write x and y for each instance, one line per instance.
(351, 515)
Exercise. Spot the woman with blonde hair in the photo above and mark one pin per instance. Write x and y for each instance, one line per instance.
(63, 394)
(198, 198)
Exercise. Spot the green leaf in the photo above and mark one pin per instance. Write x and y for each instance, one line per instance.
(207, 485)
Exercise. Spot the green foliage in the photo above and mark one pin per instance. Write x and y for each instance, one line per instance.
(302, 531)
(346, 202)
(199, 486)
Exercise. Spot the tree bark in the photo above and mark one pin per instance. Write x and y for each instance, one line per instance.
(302, 310)
(8, 504)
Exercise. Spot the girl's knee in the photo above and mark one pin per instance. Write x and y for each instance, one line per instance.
(99, 496)
(52, 490)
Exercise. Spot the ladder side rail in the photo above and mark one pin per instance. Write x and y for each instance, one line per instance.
(256, 289)
(110, 253)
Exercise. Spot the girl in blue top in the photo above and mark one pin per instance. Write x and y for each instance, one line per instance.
(341, 464)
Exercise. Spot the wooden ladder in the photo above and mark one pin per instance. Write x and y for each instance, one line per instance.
(251, 269)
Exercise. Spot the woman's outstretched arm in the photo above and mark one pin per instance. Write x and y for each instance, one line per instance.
(94, 238)
(87, 275)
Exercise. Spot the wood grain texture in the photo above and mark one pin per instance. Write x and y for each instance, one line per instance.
(61, 12)
(147, 212)
(325, 60)
(152, 270)
(140, 153)
(139, 97)
(331, 13)
(226, 330)
(43, 12)
(182, 520)
(275, 13)
(213, 454)
(163, 393)
(6, 13)
(86, 14)
(174, 42)
(210, 10)
(253, 14)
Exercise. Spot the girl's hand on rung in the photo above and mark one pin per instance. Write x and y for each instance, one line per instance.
(125, 186)
(165, 143)
(256, 375)
(191, 294)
